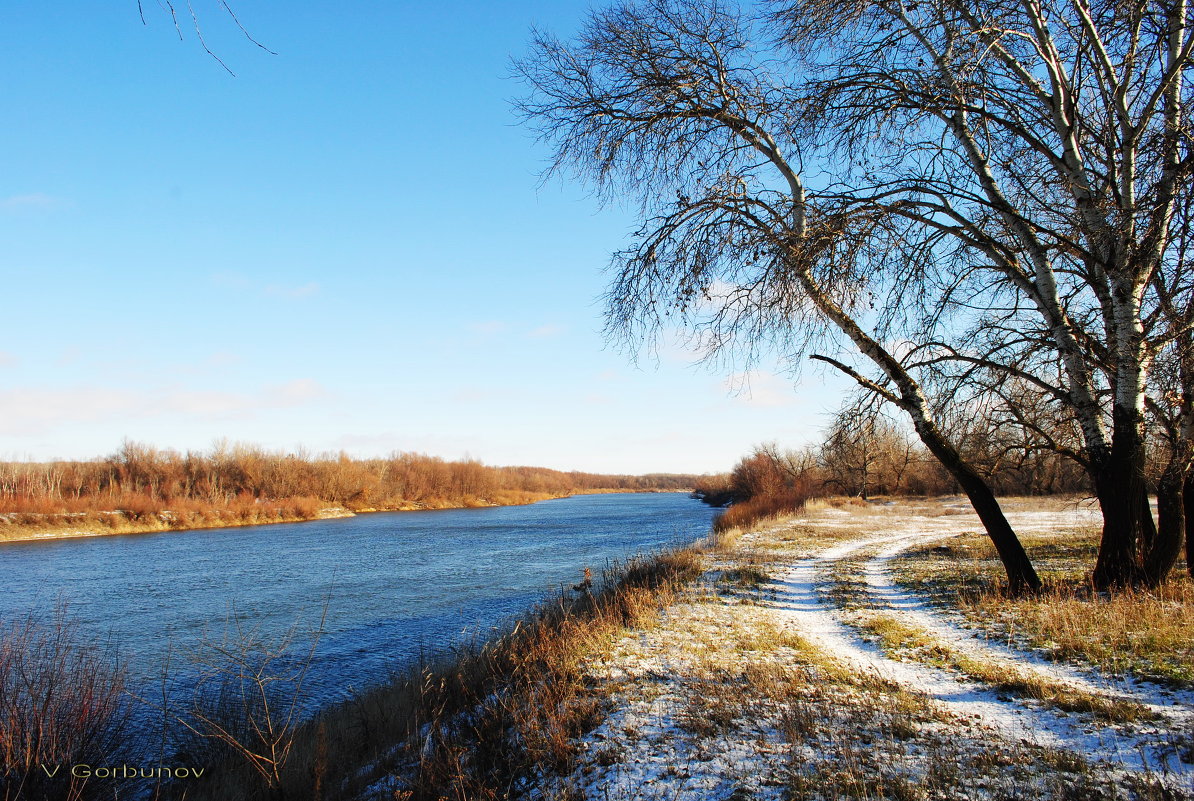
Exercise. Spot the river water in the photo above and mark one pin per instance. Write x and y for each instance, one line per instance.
(395, 585)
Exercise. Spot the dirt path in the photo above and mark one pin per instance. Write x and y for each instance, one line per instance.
(804, 605)
(1175, 705)
(772, 690)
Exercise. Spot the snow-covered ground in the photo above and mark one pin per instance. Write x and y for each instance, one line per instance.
(767, 691)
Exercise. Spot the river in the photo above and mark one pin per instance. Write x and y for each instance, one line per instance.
(395, 584)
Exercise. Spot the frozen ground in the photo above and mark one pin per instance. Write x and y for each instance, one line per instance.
(759, 686)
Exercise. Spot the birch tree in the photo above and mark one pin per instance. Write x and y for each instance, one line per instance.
(1048, 143)
(899, 159)
(675, 104)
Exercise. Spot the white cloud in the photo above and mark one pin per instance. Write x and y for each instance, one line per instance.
(220, 359)
(295, 392)
(678, 346)
(488, 328)
(230, 280)
(761, 388)
(30, 411)
(206, 404)
(385, 442)
(598, 399)
(545, 331)
(8, 359)
(244, 283)
(471, 395)
(303, 291)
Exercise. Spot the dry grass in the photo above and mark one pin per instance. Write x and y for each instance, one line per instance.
(489, 718)
(1140, 632)
(763, 507)
(61, 703)
(905, 641)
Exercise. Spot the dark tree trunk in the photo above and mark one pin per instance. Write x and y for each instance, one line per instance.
(1163, 548)
(1188, 504)
(1122, 492)
(1021, 576)
(1148, 526)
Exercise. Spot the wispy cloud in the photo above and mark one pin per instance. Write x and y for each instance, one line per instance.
(28, 411)
(545, 331)
(244, 283)
(33, 200)
(761, 388)
(471, 395)
(231, 280)
(68, 356)
(302, 291)
(489, 328)
(204, 403)
(221, 358)
(295, 392)
(8, 359)
(384, 442)
(598, 399)
(33, 411)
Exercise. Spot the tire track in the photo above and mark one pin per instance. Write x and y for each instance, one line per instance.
(1177, 708)
(801, 606)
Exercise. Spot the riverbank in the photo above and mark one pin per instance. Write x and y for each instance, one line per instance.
(26, 527)
(145, 489)
(800, 666)
(489, 715)
(108, 522)
(431, 590)
(805, 661)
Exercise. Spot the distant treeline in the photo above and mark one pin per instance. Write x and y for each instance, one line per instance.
(864, 455)
(143, 482)
(867, 455)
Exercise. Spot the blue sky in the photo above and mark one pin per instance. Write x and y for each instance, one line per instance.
(346, 246)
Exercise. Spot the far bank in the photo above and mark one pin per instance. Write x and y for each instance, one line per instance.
(26, 527)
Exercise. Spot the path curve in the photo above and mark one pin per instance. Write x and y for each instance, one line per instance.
(1175, 705)
(802, 608)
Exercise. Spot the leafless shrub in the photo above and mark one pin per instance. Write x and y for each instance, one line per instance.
(62, 702)
(246, 704)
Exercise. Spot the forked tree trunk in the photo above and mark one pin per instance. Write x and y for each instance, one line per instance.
(1021, 577)
(1161, 554)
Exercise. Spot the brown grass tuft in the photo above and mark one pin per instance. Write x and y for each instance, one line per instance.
(61, 703)
(747, 514)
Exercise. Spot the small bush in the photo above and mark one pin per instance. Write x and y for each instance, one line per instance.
(760, 507)
(61, 703)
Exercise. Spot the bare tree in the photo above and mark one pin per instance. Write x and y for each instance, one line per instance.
(1045, 144)
(965, 155)
(864, 452)
(675, 103)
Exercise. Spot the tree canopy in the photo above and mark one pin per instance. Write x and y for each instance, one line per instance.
(963, 193)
